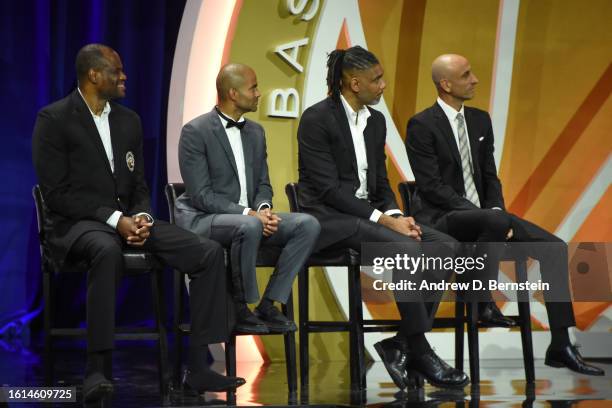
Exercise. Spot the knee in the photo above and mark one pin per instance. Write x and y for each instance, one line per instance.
(108, 249)
(309, 225)
(497, 222)
(251, 228)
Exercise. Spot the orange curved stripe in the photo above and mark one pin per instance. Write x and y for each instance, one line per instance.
(566, 140)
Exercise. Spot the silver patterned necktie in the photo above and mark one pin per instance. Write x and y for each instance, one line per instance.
(466, 164)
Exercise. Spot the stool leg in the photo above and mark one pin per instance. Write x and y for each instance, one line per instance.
(47, 312)
(230, 365)
(459, 323)
(525, 325)
(179, 292)
(356, 330)
(162, 341)
(290, 349)
(472, 317)
(304, 326)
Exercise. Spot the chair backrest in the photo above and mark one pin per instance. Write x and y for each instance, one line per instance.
(173, 190)
(41, 216)
(406, 190)
(291, 189)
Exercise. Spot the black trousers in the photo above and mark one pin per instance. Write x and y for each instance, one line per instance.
(416, 317)
(200, 258)
(488, 225)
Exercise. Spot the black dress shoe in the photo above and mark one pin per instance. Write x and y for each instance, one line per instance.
(436, 371)
(209, 380)
(489, 315)
(96, 387)
(570, 357)
(394, 356)
(274, 320)
(247, 322)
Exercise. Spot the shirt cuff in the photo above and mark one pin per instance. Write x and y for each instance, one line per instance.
(262, 205)
(376, 214)
(496, 208)
(151, 220)
(394, 211)
(114, 219)
(246, 211)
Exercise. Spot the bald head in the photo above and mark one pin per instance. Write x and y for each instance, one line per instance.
(447, 65)
(453, 78)
(231, 76)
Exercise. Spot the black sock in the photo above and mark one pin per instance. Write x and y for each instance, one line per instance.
(96, 361)
(198, 358)
(418, 344)
(559, 338)
(265, 304)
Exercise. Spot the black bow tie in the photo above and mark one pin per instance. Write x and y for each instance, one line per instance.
(231, 122)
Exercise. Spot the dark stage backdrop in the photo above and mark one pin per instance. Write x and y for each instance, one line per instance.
(38, 43)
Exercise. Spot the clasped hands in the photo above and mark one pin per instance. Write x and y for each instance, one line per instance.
(135, 230)
(403, 225)
(268, 219)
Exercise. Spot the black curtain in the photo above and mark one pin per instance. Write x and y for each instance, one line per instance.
(39, 41)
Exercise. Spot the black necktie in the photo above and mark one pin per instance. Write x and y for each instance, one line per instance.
(231, 122)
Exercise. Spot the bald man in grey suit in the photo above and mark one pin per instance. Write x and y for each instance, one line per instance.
(228, 198)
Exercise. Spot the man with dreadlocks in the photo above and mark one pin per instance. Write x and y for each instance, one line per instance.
(343, 183)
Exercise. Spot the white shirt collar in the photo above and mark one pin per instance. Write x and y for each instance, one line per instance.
(449, 111)
(105, 111)
(224, 122)
(353, 116)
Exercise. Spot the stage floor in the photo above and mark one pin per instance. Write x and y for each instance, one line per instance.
(135, 375)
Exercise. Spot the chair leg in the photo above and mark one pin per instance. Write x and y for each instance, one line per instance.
(178, 314)
(358, 380)
(162, 341)
(230, 365)
(290, 349)
(525, 325)
(304, 326)
(47, 312)
(472, 318)
(459, 323)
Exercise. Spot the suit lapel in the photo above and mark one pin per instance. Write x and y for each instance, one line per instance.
(345, 130)
(445, 127)
(369, 135)
(472, 128)
(247, 151)
(84, 116)
(221, 136)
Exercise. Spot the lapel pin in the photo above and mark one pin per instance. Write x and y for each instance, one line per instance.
(129, 159)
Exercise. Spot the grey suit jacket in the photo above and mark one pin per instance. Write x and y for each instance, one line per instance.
(210, 174)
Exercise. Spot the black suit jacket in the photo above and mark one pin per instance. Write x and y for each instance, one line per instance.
(436, 164)
(328, 170)
(75, 176)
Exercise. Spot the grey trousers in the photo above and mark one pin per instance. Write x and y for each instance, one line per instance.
(243, 234)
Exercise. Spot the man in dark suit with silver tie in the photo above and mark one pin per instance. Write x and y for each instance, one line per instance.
(450, 148)
(228, 198)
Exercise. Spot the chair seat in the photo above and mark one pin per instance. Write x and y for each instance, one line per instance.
(336, 257)
(136, 262)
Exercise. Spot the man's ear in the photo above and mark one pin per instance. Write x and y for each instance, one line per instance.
(445, 85)
(92, 75)
(232, 93)
(354, 84)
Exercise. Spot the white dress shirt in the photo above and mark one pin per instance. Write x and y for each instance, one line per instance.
(451, 114)
(235, 140)
(357, 123)
(103, 127)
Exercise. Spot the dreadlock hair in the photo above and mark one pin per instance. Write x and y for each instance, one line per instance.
(339, 61)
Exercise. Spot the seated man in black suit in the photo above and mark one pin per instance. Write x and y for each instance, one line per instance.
(87, 151)
(450, 148)
(343, 183)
